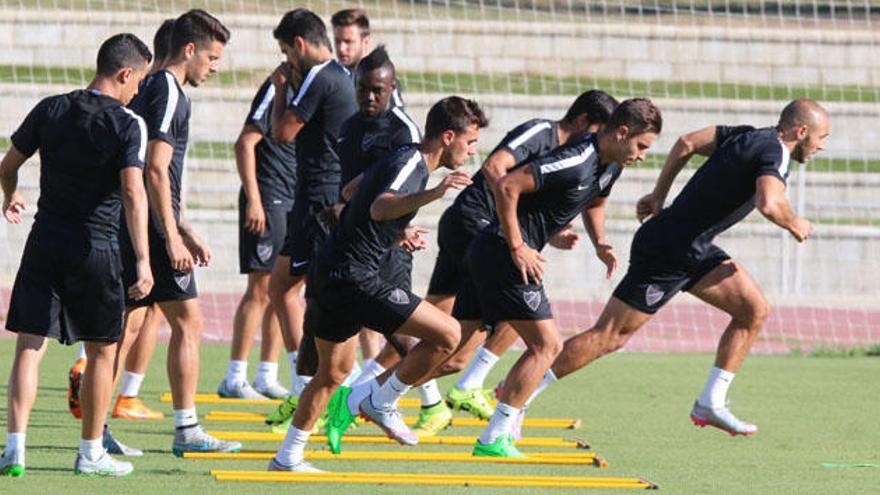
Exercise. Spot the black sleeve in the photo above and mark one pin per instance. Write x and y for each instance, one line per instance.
(260, 114)
(772, 158)
(315, 89)
(404, 174)
(527, 141)
(158, 107)
(26, 138)
(724, 132)
(559, 168)
(133, 137)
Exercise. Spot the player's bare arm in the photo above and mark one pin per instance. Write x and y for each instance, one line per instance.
(246, 163)
(389, 206)
(137, 211)
(13, 202)
(285, 124)
(770, 200)
(159, 155)
(594, 222)
(496, 166)
(701, 142)
(510, 188)
(351, 187)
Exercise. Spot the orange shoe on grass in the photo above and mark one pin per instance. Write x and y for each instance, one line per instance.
(134, 408)
(74, 380)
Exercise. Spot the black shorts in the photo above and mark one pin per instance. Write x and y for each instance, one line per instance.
(654, 277)
(168, 283)
(337, 309)
(453, 238)
(305, 232)
(68, 288)
(258, 253)
(493, 290)
(396, 268)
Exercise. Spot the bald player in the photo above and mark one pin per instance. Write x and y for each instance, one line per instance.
(747, 168)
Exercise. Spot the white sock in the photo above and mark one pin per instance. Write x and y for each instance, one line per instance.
(15, 444)
(371, 370)
(476, 372)
(390, 392)
(501, 423)
(184, 418)
(236, 372)
(715, 391)
(549, 379)
(267, 373)
(430, 394)
(291, 451)
(294, 381)
(91, 449)
(299, 384)
(353, 375)
(358, 394)
(81, 353)
(131, 384)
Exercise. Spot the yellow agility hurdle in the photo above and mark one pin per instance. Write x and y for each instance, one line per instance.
(216, 399)
(553, 458)
(260, 436)
(249, 417)
(434, 479)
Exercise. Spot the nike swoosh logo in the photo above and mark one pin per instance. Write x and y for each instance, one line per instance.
(297, 264)
(582, 187)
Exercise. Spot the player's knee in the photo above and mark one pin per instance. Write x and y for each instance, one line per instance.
(455, 365)
(757, 314)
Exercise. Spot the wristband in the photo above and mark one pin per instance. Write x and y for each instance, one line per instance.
(521, 244)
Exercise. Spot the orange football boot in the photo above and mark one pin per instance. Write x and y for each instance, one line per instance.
(134, 408)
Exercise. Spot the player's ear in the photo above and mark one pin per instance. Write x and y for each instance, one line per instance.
(801, 132)
(124, 75)
(621, 132)
(447, 136)
(189, 50)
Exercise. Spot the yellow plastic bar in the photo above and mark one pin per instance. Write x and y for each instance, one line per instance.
(249, 417)
(260, 436)
(537, 458)
(216, 399)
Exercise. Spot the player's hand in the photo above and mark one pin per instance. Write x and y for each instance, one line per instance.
(648, 206)
(198, 248)
(256, 218)
(455, 180)
(605, 253)
(13, 206)
(565, 239)
(800, 229)
(330, 216)
(281, 75)
(412, 239)
(144, 284)
(181, 259)
(528, 261)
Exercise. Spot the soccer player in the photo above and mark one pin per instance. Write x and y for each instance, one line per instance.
(135, 350)
(69, 285)
(504, 273)
(347, 291)
(197, 43)
(472, 211)
(746, 169)
(268, 175)
(324, 99)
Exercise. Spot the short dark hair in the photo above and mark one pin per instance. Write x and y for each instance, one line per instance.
(453, 113)
(162, 40)
(377, 59)
(639, 114)
(121, 51)
(352, 17)
(597, 104)
(198, 27)
(302, 23)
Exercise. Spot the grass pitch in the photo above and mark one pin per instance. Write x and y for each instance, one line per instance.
(635, 413)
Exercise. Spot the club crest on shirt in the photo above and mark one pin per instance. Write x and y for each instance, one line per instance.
(398, 296)
(653, 295)
(183, 280)
(605, 179)
(532, 299)
(367, 141)
(264, 251)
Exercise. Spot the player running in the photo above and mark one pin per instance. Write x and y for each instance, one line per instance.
(747, 168)
(69, 285)
(347, 290)
(504, 268)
